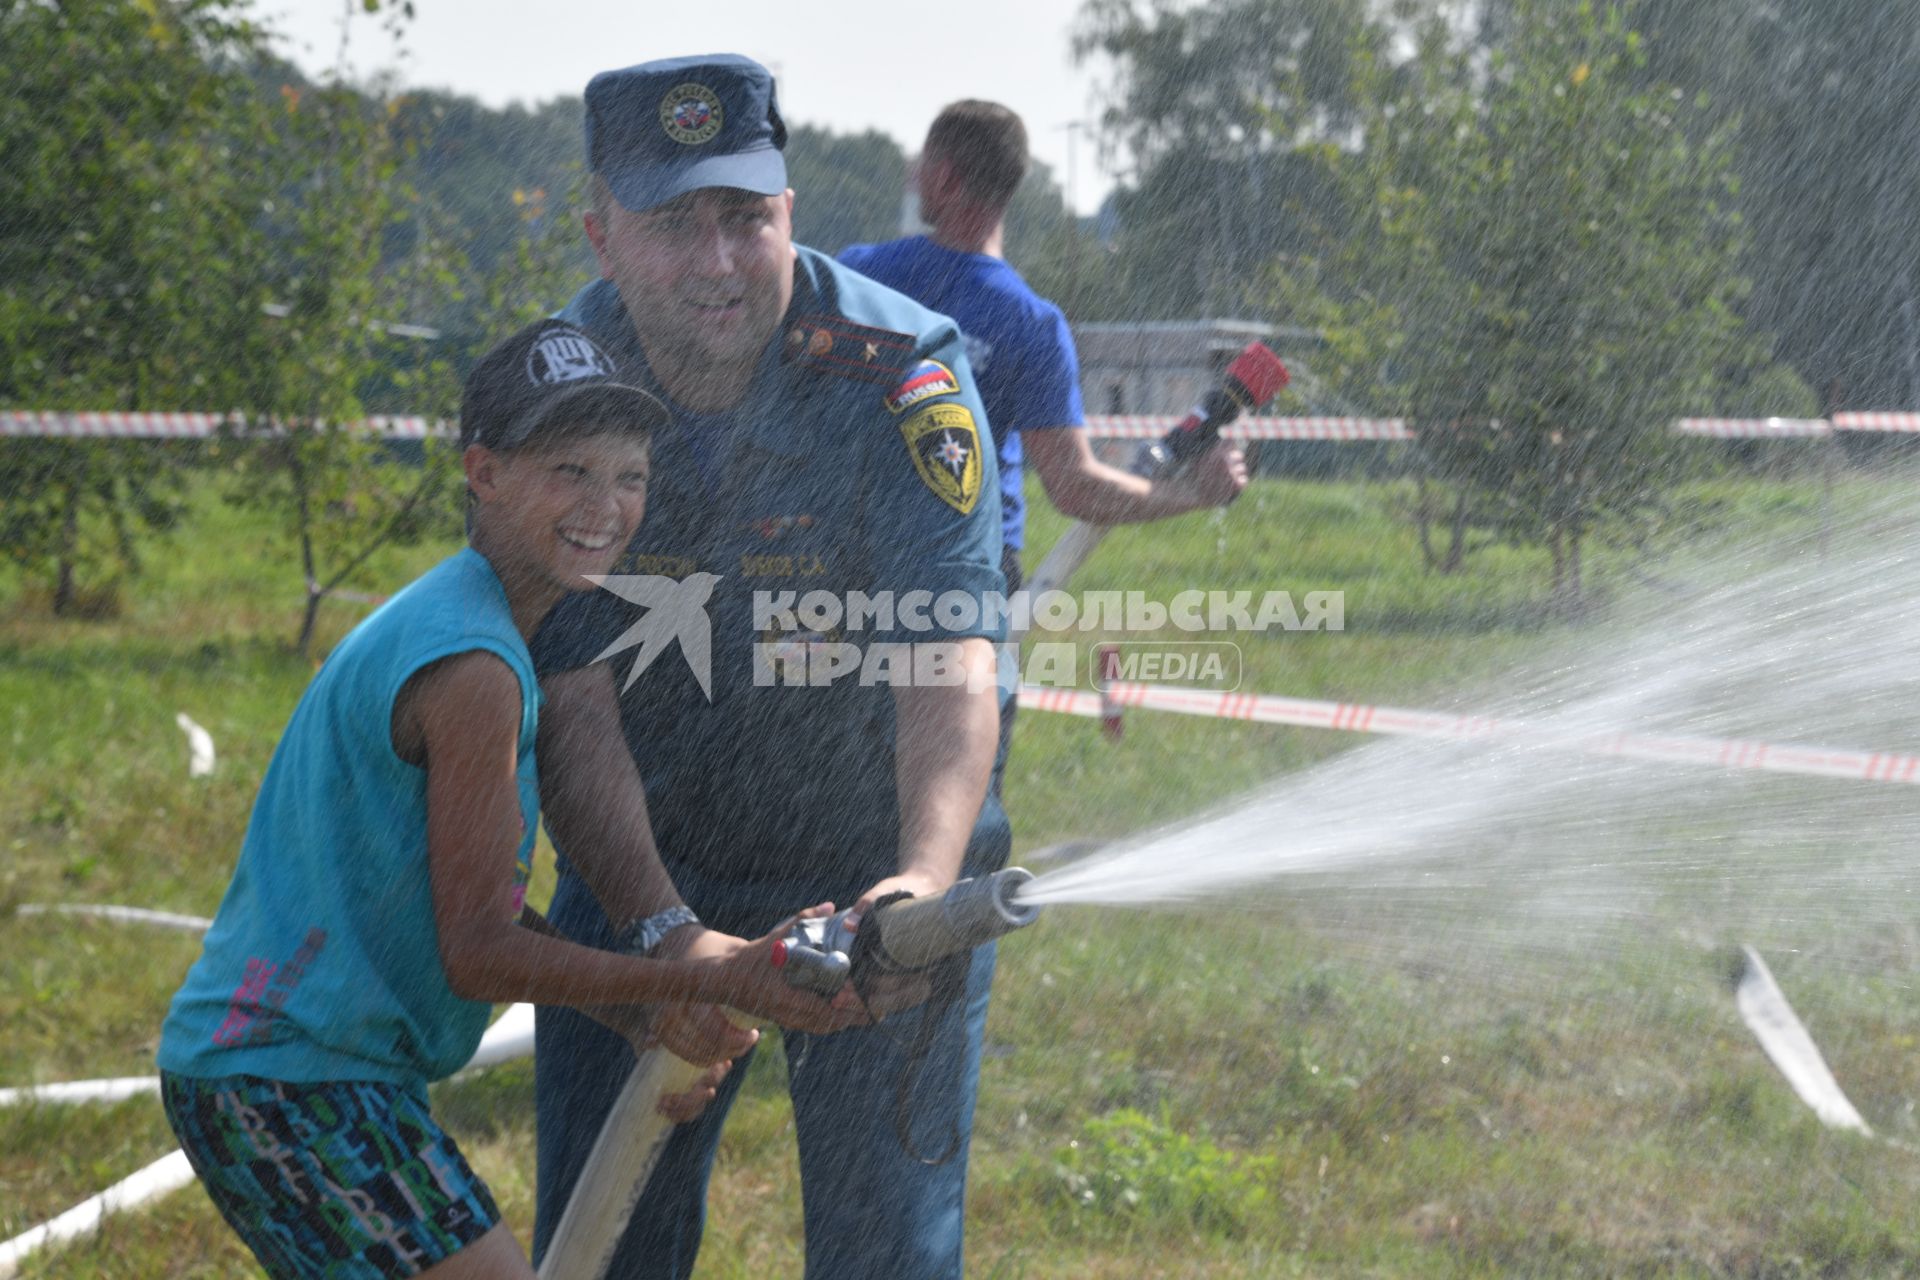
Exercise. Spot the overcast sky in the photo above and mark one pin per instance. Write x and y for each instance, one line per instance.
(843, 66)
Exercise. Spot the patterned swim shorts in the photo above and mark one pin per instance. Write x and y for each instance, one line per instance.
(349, 1179)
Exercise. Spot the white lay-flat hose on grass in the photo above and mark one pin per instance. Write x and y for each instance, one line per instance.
(114, 1089)
(164, 1176)
(120, 915)
(510, 1036)
(1764, 1008)
(200, 756)
(120, 1087)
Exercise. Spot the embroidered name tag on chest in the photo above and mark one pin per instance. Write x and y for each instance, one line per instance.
(664, 564)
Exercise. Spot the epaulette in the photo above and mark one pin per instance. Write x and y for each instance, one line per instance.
(837, 345)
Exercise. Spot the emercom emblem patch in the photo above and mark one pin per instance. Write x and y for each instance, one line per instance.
(945, 445)
(691, 114)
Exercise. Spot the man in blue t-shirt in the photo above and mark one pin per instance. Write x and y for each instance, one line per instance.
(1020, 348)
(1017, 342)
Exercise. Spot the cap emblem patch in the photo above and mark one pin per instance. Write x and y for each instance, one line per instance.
(691, 114)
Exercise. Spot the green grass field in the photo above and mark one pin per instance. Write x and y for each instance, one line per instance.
(1229, 1092)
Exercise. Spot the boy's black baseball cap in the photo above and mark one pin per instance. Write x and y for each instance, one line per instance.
(524, 384)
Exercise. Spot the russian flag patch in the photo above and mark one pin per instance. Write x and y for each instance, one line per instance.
(924, 381)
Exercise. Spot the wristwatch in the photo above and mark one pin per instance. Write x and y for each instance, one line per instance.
(640, 937)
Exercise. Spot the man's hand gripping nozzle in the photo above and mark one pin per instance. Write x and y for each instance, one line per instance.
(903, 934)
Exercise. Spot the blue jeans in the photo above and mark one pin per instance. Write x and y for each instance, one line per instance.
(871, 1209)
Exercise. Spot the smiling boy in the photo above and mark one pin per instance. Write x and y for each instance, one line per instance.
(377, 909)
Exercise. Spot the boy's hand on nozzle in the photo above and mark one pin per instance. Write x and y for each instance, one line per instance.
(694, 1031)
(745, 978)
(782, 1001)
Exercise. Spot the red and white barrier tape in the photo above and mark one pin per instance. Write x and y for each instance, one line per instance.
(199, 426)
(1153, 426)
(1138, 427)
(1725, 753)
(187, 426)
(14, 422)
(1754, 428)
(1876, 422)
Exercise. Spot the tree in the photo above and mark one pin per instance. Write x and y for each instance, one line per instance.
(489, 181)
(327, 159)
(1549, 277)
(115, 276)
(1827, 100)
(355, 253)
(850, 186)
(1210, 104)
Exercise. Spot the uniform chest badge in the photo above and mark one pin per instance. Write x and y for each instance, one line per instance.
(691, 114)
(847, 349)
(945, 446)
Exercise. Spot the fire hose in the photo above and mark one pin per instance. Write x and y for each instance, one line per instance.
(901, 935)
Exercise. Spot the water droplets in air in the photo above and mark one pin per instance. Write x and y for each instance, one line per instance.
(1527, 842)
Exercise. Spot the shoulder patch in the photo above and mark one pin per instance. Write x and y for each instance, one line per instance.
(924, 381)
(837, 345)
(945, 446)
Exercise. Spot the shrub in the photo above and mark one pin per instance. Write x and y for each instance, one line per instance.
(1130, 1166)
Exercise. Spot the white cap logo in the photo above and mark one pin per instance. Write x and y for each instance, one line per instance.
(566, 355)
